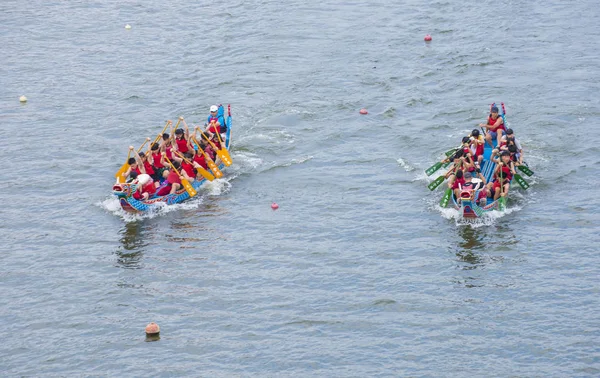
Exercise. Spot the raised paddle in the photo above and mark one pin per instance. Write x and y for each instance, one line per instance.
(223, 154)
(165, 128)
(186, 184)
(211, 164)
(206, 174)
(123, 169)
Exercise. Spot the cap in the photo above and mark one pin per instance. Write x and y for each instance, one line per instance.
(143, 178)
(475, 133)
(467, 175)
(494, 109)
(509, 132)
(214, 108)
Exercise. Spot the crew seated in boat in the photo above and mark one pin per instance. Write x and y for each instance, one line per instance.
(146, 187)
(214, 117)
(182, 140)
(158, 162)
(477, 144)
(187, 168)
(503, 174)
(171, 182)
(494, 126)
(166, 145)
(469, 186)
(135, 165)
(146, 159)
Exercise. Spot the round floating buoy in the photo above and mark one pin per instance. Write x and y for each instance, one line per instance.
(127, 26)
(427, 38)
(363, 111)
(152, 329)
(23, 99)
(274, 206)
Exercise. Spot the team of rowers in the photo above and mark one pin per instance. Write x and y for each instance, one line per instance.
(174, 156)
(465, 178)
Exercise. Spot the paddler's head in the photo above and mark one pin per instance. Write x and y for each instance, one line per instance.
(494, 112)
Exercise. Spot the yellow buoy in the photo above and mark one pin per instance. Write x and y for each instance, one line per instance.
(127, 26)
(23, 99)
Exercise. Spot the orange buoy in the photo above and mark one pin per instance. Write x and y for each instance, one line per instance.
(152, 329)
(363, 111)
(427, 38)
(274, 206)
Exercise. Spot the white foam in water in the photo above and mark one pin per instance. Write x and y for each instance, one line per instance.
(112, 205)
(488, 219)
(216, 187)
(407, 167)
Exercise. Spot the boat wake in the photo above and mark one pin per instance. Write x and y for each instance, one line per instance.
(487, 219)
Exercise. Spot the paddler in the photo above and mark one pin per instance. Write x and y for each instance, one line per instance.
(494, 126)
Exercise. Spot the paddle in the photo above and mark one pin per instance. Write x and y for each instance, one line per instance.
(211, 164)
(123, 169)
(446, 198)
(525, 169)
(223, 149)
(431, 170)
(186, 184)
(165, 128)
(206, 174)
(502, 199)
(223, 154)
(435, 183)
(521, 181)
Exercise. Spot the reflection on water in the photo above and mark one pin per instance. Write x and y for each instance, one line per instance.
(470, 247)
(129, 253)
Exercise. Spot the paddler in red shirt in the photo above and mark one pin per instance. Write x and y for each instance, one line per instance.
(494, 126)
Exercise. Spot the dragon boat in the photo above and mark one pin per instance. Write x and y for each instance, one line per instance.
(468, 205)
(125, 191)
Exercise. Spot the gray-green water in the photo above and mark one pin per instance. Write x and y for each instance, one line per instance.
(359, 273)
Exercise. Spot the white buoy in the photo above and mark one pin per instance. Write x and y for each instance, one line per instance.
(23, 99)
(127, 26)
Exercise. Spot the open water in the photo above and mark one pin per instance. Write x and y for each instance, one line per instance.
(359, 273)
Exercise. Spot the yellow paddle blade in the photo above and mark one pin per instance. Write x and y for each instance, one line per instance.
(206, 174)
(188, 187)
(213, 167)
(223, 154)
(122, 170)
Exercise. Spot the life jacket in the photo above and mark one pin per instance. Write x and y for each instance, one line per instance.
(507, 172)
(182, 145)
(199, 158)
(156, 160)
(147, 188)
(148, 167)
(218, 118)
(213, 128)
(188, 168)
(137, 170)
(479, 147)
(492, 121)
(458, 182)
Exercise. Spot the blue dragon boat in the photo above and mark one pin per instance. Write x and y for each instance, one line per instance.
(467, 205)
(125, 191)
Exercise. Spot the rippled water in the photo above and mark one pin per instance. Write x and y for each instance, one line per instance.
(359, 273)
